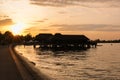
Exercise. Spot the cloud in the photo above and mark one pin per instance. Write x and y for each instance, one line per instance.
(1, 2)
(41, 21)
(6, 22)
(62, 12)
(87, 27)
(3, 17)
(35, 29)
(84, 3)
(43, 29)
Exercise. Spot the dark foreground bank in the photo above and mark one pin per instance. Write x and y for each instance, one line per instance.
(8, 68)
(14, 67)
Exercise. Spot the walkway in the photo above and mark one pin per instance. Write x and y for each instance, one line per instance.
(8, 68)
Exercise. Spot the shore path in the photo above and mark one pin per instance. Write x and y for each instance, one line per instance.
(8, 68)
(12, 68)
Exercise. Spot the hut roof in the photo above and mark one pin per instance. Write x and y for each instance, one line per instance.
(70, 37)
(44, 37)
(62, 39)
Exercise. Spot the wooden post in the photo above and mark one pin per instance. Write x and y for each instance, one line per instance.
(34, 45)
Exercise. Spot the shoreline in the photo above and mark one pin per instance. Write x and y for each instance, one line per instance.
(27, 69)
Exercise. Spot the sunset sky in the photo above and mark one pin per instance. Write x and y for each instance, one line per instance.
(97, 19)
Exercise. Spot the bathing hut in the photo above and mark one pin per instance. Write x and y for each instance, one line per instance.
(60, 41)
(70, 41)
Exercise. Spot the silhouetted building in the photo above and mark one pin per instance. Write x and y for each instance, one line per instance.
(60, 39)
(63, 41)
(44, 38)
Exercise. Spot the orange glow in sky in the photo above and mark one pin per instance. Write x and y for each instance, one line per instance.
(96, 19)
(18, 28)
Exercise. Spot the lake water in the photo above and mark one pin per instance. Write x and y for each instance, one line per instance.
(101, 63)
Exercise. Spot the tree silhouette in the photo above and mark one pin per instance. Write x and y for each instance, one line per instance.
(8, 37)
(1, 37)
(28, 37)
(18, 39)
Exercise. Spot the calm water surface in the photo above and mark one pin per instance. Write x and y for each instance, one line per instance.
(101, 63)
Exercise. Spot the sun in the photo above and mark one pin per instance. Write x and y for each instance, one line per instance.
(18, 28)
